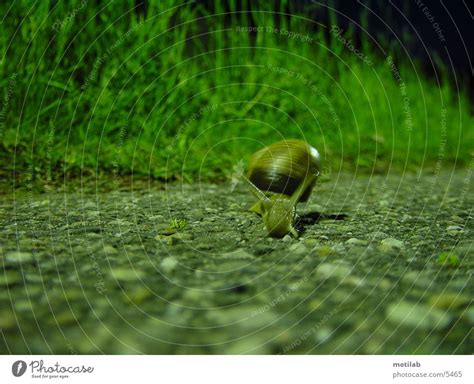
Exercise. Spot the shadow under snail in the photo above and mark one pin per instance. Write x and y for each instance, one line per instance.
(280, 176)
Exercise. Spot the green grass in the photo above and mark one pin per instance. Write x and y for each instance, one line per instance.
(183, 94)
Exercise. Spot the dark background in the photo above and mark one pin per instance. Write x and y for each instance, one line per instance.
(399, 23)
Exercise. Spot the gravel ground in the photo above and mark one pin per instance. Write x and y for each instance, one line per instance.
(383, 265)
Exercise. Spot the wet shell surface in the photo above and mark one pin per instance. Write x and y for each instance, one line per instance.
(282, 166)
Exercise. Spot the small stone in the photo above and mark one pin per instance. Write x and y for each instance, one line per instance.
(126, 274)
(356, 242)
(315, 208)
(383, 284)
(354, 281)
(23, 306)
(417, 278)
(18, 257)
(109, 250)
(325, 250)
(315, 304)
(298, 249)
(181, 236)
(168, 264)
(203, 246)
(390, 244)
(311, 243)
(262, 249)
(66, 317)
(338, 249)
(419, 316)
(238, 254)
(90, 205)
(339, 271)
(323, 334)
(138, 295)
(199, 274)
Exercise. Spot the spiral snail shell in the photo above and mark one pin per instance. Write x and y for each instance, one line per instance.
(282, 175)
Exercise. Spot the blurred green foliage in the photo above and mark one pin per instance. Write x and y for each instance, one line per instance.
(185, 93)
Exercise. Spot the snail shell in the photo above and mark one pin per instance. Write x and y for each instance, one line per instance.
(283, 166)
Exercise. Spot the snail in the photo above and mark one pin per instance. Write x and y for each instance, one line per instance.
(280, 176)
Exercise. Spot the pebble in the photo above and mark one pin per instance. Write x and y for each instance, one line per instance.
(168, 264)
(417, 278)
(339, 271)
(126, 274)
(298, 249)
(66, 317)
(311, 243)
(156, 218)
(354, 281)
(174, 239)
(323, 334)
(23, 306)
(182, 236)
(203, 246)
(356, 242)
(383, 284)
(390, 244)
(262, 249)
(238, 254)
(90, 205)
(325, 250)
(109, 250)
(420, 316)
(138, 295)
(18, 257)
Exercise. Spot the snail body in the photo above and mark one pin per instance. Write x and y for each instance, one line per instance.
(281, 175)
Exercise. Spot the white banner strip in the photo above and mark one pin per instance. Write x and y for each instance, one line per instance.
(236, 369)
